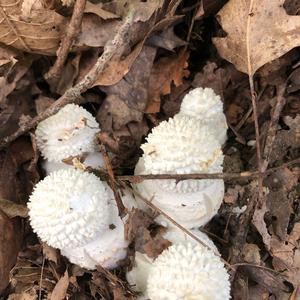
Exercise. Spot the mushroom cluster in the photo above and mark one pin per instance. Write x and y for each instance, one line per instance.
(190, 142)
(73, 210)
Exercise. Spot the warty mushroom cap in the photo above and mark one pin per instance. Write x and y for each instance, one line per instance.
(204, 105)
(138, 276)
(182, 145)
(70, 132)
(108, 247)
(189, 272)
(69, 208)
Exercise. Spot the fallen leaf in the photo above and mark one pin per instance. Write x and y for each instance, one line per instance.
(266, 32)
(60, 289)
(133, 88)
(40, 33)
(9, 248)
(99, 11)
(286, 255)
(23, 296)
(166, 39)
(50, 253)
(12, 209)
(165, 72)
(117, 68)
(117, 111)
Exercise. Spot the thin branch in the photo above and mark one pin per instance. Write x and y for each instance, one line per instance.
(67, 40)
(273, 125)
(253, 100)
(112, 182)
(225, 176)
(72, 94)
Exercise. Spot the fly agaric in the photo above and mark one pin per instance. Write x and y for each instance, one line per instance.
(138, 276)
(70, 132)
(188, 271)
(75, 212)
(182, 145)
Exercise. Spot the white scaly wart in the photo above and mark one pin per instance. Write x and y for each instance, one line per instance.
(138, 275)
(75, 212)
(182, 145)
(70, 132)
(189, 272)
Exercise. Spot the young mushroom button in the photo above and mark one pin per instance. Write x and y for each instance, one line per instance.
(70, 132)
(69, 208)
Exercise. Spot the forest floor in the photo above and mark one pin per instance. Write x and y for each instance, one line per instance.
(246, 51)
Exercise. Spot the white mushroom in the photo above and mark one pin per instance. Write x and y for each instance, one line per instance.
(139, 274)
(204, 105)
(74, 211)
(182, 145)
(70, 132)
(189, 272)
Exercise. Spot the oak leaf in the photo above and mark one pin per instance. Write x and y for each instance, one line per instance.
(256, 35)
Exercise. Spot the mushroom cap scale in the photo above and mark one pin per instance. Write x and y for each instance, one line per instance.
(106, 249)
(182, 145)
(70, 132)
(189, 272)
(69, 208)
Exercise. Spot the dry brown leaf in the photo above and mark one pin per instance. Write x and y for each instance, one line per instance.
(50, 253)
(286, 255)
(99, 11)
(31, 295)
(12, 209)
(60, 289)
(117, 68)
(166, 71)
(9, 248)
(266, 30)
(38, 34)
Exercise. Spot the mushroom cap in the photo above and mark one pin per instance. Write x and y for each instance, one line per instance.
(182, 145)
(190, 272)
(106, 249)
(204, 105)
(70, 132)
(69, 208)
(190, 208)
(139, 274)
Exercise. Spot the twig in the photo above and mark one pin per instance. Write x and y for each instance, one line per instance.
(112, 182)
(186, 231)
(67, 41)
(225, 176)
(273, 125)
(253, 100)
(72, 94)
(41, 279)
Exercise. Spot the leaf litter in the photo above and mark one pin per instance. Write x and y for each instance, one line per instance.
(171, 47)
